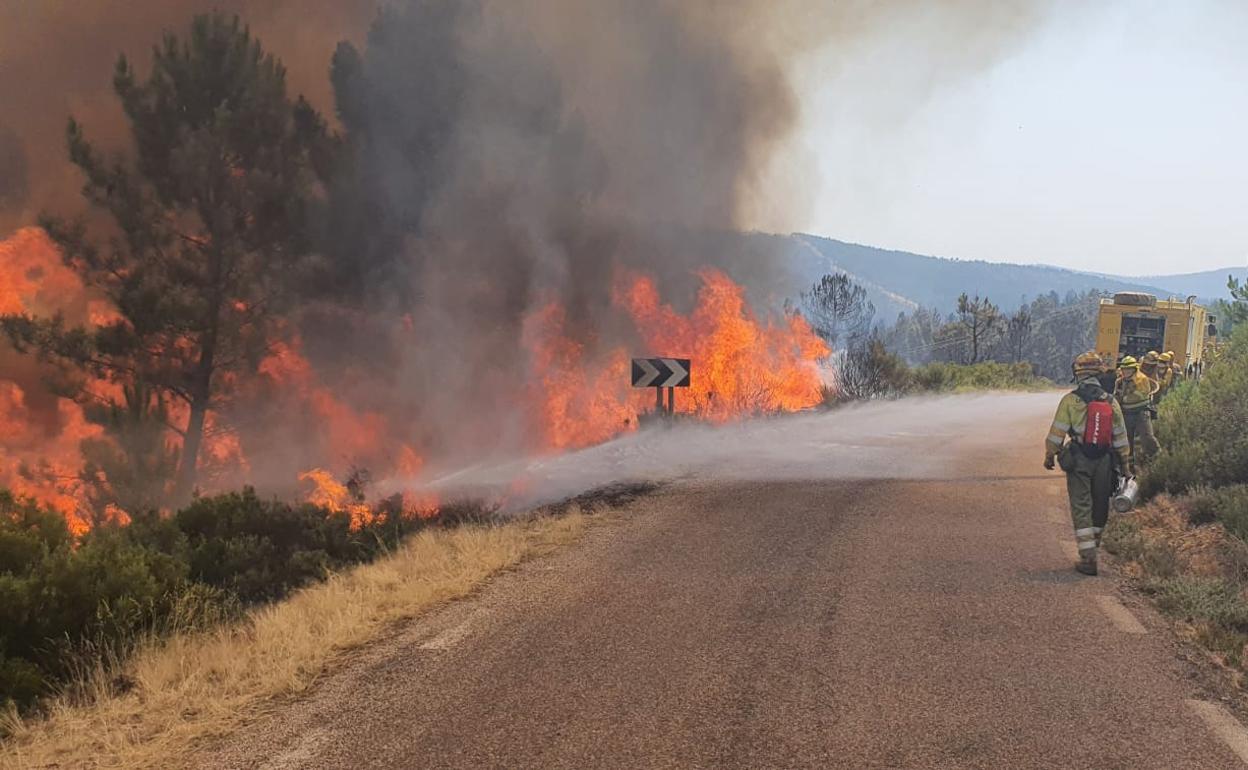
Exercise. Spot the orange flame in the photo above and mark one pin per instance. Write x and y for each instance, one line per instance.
(345, 430)
(578, 392)
(741, 365)
(329, 493)
(40, 433)
(579, 402)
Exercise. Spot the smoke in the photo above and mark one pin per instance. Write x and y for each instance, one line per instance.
(13, 180)
(506, 157)
(56, 58)
(916, 438)
(517, 156)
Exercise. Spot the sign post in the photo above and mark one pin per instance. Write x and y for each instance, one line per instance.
(660, 373)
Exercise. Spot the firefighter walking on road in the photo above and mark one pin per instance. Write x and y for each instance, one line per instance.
(1135, 392)
(1092, 420)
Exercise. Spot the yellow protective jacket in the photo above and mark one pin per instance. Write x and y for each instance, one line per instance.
(1071, 417)
(1165, 377)
(1136, 391)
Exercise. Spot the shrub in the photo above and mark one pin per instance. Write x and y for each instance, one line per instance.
(1203, 427)
(54, 595)
(1226, 505)
(1124, 539)
(985, 375)
(262, 549)
(64, 605)
(869, 370)
(1201, 508)
(1211, 600)
(1174, 471)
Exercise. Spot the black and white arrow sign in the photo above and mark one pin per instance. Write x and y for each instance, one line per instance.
(661, 372)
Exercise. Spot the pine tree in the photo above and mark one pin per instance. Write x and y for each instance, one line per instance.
(979, 319)
(838, 310)
(204, 229)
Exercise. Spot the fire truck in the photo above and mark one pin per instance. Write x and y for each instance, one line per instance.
(1133, 323)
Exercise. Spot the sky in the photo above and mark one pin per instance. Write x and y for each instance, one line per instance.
(1108, 136)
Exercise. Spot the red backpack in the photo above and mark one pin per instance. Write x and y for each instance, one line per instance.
(1098, 431)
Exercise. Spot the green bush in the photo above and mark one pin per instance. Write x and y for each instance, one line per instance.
(1203, 428)
(1226, 505)
(1124, 539)
(985, 375)
(262, 549)
(1213, 600)
(64, 604)
(55, 594)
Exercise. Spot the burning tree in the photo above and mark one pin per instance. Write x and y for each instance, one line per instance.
(201, 233)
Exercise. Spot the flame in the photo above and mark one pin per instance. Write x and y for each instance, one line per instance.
(34, 278)
(361, 436)
(579, 402)
(40, 433)
(43, 461)
(577, 391)
(343, 429)
(329, 493)
(741, 365)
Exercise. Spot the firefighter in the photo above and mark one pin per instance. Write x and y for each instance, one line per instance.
(1092, 421)
(1150, 365)
(1135, 392)
(1176, 369)
(1165, 373)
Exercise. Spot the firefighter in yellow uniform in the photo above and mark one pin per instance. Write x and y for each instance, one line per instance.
(1165, 375)
(1152, 368)
(1135, 392)
(1092, 421)
(1174, 369)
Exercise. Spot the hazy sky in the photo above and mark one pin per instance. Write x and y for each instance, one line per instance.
(1110, 135)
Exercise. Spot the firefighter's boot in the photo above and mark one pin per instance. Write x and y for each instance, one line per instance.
(1087, 562)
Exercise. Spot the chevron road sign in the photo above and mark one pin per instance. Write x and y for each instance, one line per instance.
(660, 372)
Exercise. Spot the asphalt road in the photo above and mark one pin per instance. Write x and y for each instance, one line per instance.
(855, 623)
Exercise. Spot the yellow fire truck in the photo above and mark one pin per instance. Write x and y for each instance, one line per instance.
(1133, 323)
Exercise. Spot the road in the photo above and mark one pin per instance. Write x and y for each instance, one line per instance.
(836, 623)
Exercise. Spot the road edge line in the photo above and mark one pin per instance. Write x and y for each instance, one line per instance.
(1119, 615)
(1224, 725)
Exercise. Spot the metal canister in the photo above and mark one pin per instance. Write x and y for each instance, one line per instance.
(1124, 498)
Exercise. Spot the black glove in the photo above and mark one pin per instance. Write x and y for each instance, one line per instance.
(1048, 462)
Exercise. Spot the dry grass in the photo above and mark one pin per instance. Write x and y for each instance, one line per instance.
(1163, 526)
(191, 687)
(1196, 574)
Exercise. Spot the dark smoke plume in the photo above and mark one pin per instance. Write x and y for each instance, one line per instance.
(515, 154)
(499, 156)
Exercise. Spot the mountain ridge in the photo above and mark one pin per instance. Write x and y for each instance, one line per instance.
(898, 281)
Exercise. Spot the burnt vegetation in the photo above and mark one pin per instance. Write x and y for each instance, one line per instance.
(404, 245)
